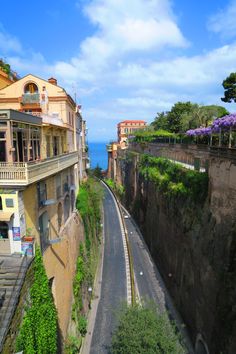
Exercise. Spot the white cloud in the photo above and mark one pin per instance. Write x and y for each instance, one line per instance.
(122, 27)
(120, 73)
(188, 73)
(8, 43)
(223, 22)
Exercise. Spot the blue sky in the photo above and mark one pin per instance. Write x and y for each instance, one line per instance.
(124, 59)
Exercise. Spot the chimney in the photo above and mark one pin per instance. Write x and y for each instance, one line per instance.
(52, 81)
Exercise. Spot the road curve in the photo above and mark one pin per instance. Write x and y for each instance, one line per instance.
(113, 286)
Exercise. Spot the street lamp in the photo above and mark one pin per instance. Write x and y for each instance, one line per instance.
(90, 290)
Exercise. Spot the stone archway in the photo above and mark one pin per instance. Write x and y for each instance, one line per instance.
(201, 346)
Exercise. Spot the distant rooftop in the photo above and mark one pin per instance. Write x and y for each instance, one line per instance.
(133, 121)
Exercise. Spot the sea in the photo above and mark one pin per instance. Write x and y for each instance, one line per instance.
(98, 154)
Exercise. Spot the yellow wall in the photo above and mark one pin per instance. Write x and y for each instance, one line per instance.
(58, 102)
(60, 264)
(31, 209)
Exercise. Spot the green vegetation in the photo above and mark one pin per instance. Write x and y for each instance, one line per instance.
(117, 188)
(38, 334)
(143, 330)
(173, 179)
(150, 135)
(5, 67)
(73, 345)
(229, 85)
(186, 115)
(89, 205)
(96, 172)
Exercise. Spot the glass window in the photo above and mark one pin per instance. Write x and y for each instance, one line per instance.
(31, 88)
(9, 203)
(3, 230)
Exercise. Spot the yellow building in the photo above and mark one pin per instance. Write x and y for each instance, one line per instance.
(42, 160)
(38, 180)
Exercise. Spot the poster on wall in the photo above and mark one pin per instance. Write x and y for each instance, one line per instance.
(16, 233)
(27, 248)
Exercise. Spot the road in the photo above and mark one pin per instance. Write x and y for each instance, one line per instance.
(113, 285)
(149, 283)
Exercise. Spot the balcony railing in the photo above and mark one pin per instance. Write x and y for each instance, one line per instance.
(24, 173)
(29, 98)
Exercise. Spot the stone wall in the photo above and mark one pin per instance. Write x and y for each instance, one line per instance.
(60, 264)
(194, 246)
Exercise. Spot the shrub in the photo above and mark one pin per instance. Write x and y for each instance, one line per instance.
(173, 179)
(144, 330)
(82, 325)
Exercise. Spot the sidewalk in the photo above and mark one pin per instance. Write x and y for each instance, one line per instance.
(85, 349)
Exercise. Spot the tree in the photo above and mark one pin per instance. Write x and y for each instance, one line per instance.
(176, 113)
(229, 85)
(97, 172)
(202, 116)
(144, 330)
(160, 122)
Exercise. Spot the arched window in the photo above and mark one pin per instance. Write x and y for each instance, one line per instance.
(31, 88)
(0, 203)
(3, 230)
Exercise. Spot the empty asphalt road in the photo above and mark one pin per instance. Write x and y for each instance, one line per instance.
(113, 286)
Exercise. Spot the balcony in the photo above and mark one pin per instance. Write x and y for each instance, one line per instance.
(109, 147)
(25, 173)
(30, 98)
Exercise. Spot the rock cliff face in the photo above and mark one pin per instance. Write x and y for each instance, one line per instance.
(194, 246)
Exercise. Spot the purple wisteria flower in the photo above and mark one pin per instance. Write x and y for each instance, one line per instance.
(224, 123)
(220, 124)
(199, 131)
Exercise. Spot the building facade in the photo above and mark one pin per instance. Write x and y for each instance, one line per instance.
(42, 160)
(126, 128)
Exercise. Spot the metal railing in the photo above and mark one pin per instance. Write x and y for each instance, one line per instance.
(24, 173)
(30, 98)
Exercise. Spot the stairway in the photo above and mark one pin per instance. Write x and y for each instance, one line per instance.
(12, 273)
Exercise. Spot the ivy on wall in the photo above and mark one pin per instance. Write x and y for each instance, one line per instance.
(88, 204)
(173, 179)
(117, 188)
(38, 333)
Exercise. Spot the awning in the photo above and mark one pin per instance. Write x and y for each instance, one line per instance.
(5, 216)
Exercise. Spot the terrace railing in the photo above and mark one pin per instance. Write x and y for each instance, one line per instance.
(24, 173)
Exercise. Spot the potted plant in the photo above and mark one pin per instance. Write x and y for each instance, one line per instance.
(28, 235)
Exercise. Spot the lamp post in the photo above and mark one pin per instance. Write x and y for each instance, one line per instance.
(90, 290)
